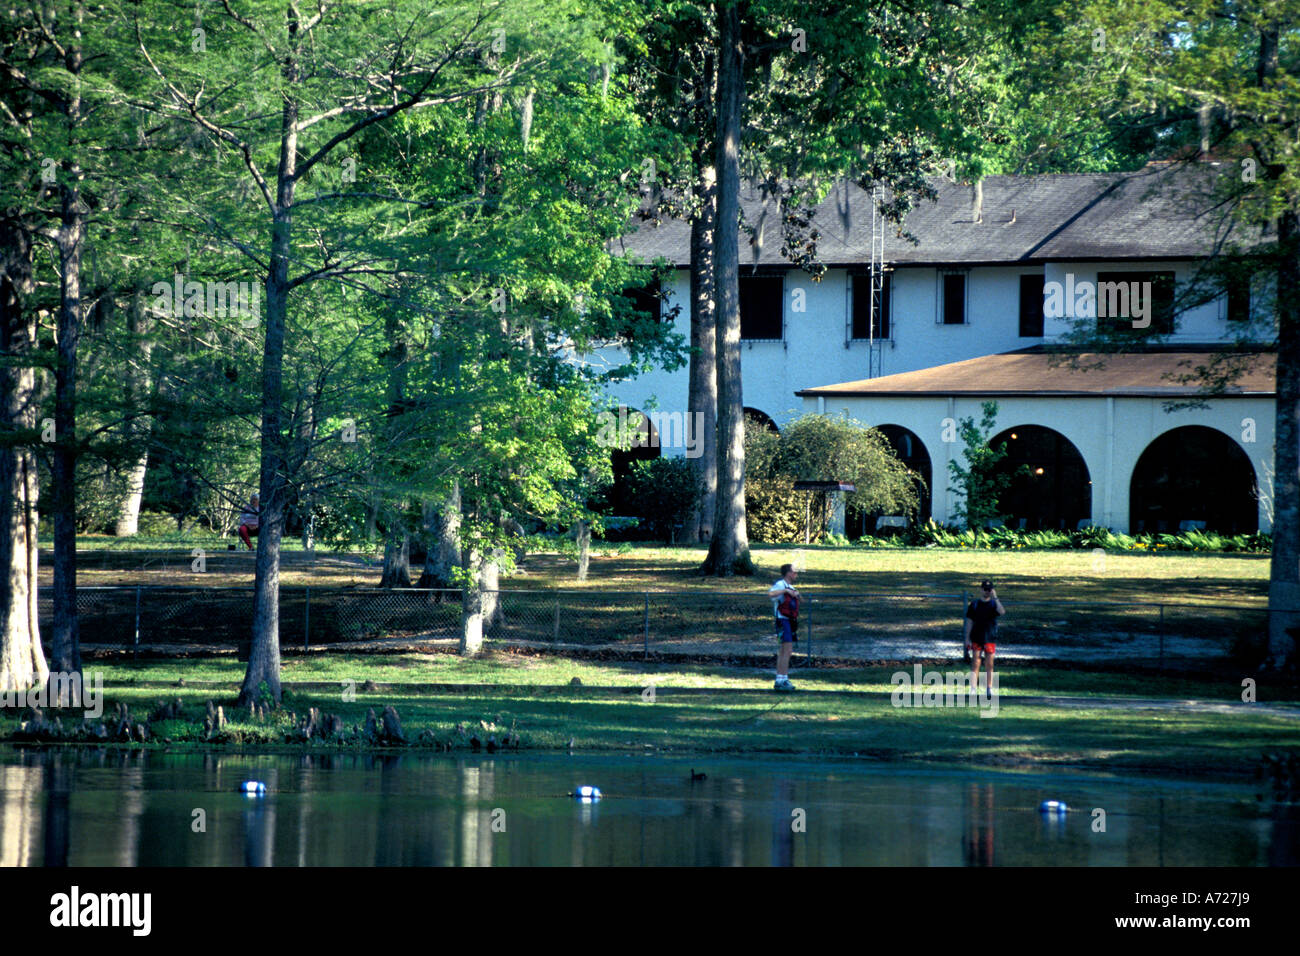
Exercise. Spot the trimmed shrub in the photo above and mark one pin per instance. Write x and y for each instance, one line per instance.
(665, 492)
(932, 534)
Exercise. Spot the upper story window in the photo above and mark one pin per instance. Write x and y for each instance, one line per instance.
(762, 299)
(1031, 307)
(1237, 293)
(864, 316)
(952, 298)
(1122, 299)
(644, 300)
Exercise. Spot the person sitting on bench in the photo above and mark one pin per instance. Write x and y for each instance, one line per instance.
(248, 521)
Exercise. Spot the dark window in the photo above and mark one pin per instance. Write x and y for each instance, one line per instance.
(954, 298)
(1031, 307)
(862, 314)
(761, 302)
(645, 300)
(1119, 303)
(762, 419)
(1239, 299)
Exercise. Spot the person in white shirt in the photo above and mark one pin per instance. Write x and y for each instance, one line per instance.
(249, 519)
(785, 605)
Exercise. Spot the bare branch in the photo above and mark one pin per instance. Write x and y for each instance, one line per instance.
(191, 107)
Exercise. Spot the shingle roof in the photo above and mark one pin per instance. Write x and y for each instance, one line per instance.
(1159, 212)
(1145, 374)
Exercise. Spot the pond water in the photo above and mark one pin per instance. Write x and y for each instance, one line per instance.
(103, 807)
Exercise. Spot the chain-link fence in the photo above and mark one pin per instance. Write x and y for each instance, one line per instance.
(714, 624)
(180, 557)
(182, 616)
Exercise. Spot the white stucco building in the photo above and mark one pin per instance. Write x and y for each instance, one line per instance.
(969, 309)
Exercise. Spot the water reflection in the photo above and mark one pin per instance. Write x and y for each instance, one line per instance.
(125, 808)
(979, 825)
(786, 818)
(1284, 824)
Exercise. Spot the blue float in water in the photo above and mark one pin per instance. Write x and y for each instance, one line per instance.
(1052, 807)
(253, 788)
(587, 793)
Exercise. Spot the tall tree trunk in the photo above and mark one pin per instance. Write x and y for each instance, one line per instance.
(491, 599)
(443, 537)
(729, 548)
(582, 534)
(22, 659)
(526, 117)
(397, 542)
(702, 399)
(264, 654)
(308, 530)
(397, 560)
(372, 519)
(1284, 570)
(481, 610)
(137, 429)
(65, 645)
(471, 622)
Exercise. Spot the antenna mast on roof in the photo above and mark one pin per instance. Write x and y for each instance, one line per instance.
(875, 310)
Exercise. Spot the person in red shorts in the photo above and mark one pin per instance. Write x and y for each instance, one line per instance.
(981, 629)
(249, 519)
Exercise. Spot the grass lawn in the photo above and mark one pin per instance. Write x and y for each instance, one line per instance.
(1190, 578)
(546, 670)
(727, 710)
(1020, 575)
(1070, 598)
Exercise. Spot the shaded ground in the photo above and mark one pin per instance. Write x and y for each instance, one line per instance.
(873, 605)
(1041, 576)
(173, 567)
(1045, 718)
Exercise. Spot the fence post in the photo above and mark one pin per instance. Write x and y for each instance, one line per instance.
(306, 624)
(1162, 637)
(135, 648)
(961, 625)
(646, 639)
(810, 635)
(555, 637)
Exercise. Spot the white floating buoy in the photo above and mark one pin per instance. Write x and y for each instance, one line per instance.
(1052, 807)
(254, 788)
(587, 793)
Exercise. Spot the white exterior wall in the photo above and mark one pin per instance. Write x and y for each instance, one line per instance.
(992, 318)
(817, 351)
(658, 390)
(1110, 434)
(814, 353)
(1205, 323)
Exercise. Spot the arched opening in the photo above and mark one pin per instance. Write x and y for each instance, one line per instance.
(911, 451)
(1050, 486)
(761, 418)
(643, 446)
(1193, 474)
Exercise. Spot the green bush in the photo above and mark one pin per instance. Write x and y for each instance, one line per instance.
(936, 535)
(820, 448)
(155, 525)
(665, 492)
(773, 512)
